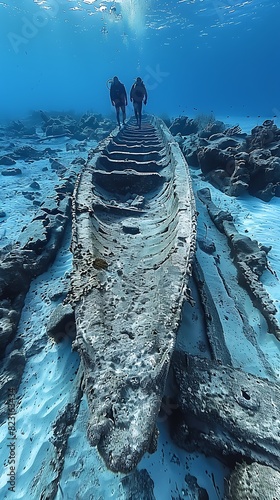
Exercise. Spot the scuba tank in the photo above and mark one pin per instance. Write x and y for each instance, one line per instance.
(138, 89)
(109, 82)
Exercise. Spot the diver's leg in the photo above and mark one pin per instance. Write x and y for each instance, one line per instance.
(136, 111)
(140, 113)
(123, 114)
(118, 114)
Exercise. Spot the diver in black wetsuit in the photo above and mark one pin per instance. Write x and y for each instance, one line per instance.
(118, 98)
(138, 95)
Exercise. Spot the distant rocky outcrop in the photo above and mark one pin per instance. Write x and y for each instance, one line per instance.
(233, 161)
(85, 127)
(21, 130)
(184, 126)
(25, 153)
(88, 126)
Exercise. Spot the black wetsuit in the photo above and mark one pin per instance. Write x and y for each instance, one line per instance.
(118, 98)
(138, 94)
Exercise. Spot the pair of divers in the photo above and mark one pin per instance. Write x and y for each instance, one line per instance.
(118, 96)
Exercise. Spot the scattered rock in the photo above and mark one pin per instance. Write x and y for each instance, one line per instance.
(7, 161)
(190, 147)
(57, 130)
(184, 126)
(209, 126)
(35, 185)
(232, 161)
(35, 236)
(8, 323)
(138, 484)
(27, 153)
(16, 126)
(89, 121)
(57, 167)
(212, 158)
(28, 195)
(89, 126)
(10, 377)
(37, 246)
(198, 492)
(208, 246)
(62, 429)
(263, 135)
(249, 258)
(62, 322)
(225, 411)
(11, 171)
(78, 161)
(82, 147)
(20, 130)
(254, 482)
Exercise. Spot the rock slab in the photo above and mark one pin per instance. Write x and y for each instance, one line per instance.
(226, 412)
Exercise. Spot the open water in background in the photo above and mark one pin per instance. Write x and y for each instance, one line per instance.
(195, 56)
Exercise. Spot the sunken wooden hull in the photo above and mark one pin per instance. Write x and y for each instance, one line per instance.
(133, 240)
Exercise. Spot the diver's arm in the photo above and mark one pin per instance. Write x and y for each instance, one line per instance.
(145, 96)
(112, 96)
(125, 95)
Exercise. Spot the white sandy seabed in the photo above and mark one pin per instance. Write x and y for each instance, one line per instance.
(47, 384)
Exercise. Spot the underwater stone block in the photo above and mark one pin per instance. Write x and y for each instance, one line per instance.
(62, 322)
(7, 161)
(226, 412)
(255, 482)
(11, 171)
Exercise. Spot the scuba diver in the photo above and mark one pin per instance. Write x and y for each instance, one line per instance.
(138, 95)
(118, 98)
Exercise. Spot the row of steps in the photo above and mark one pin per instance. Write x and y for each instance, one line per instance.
(132, 160)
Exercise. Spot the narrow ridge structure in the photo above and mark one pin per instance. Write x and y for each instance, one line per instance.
(134, 225)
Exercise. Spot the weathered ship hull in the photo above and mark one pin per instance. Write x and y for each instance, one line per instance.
(133, 240)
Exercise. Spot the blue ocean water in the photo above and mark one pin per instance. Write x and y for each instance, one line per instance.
(195, 56)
